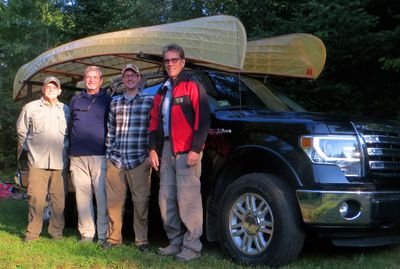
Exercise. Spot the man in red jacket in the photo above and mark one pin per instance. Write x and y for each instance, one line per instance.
(180, 119)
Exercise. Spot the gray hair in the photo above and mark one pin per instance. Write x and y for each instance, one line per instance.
(95, 69)
(174, 47)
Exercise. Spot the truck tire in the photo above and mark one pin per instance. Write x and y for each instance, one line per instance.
(259, 221)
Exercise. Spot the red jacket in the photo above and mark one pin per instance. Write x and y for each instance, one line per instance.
(189, 116)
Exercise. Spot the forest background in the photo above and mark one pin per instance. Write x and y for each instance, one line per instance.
(362, 38)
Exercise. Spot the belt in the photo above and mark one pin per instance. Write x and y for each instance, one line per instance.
(167, 138)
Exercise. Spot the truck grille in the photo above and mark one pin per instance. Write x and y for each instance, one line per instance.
(381, 144)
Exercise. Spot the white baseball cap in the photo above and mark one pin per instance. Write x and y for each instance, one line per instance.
(132, 67)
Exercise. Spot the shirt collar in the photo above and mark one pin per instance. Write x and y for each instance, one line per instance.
(45, 103)
(137, 96)
(167, 84)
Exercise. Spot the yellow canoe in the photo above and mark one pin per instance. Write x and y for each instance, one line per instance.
(293, 55)
(215, 40)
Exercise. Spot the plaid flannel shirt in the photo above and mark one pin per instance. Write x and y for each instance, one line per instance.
(127, 138)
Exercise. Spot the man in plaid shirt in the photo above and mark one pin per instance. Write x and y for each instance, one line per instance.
(127, 159)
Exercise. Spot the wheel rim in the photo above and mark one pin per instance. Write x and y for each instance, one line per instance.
(251, 223)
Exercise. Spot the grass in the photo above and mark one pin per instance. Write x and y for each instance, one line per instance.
(69, 253)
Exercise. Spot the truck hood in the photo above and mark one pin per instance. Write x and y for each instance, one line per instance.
(325, 123)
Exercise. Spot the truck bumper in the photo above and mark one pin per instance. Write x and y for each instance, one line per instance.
(349, 208)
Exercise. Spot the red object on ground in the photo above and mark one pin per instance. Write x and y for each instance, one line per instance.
(5, 190)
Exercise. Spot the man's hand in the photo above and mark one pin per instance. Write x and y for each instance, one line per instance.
(192, 158)
(153, 158)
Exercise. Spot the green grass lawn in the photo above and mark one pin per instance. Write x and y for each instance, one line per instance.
(69, 253)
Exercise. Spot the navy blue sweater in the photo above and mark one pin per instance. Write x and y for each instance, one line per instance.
(89, 114)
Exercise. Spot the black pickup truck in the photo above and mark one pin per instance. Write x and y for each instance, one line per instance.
(274, 173)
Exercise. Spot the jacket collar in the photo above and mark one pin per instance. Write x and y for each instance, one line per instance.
(183, 75)
(101, 92)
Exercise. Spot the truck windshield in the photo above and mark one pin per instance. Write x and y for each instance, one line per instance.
(230, 91)
(233, 91)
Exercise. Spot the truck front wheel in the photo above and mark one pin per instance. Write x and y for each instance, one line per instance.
(259, 221)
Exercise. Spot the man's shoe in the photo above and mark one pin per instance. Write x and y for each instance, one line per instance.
(108, 245)
(86, 239)
(170, 250)
(58, 237)
(30, 238)
(100, 242)
(187, 255)
(144, 247)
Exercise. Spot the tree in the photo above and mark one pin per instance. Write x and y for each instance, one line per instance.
(26, 29)
(355, 46)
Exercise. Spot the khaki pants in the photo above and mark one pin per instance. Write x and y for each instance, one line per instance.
(138, 180)
(42, 183)
(88, 175)
(180, 200)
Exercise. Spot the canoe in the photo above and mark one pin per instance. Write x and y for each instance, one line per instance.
(294, 55)
(215, 40)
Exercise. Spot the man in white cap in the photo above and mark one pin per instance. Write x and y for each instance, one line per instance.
(127, 159)
(42, 131)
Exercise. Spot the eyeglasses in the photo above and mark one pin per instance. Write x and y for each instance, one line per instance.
(93, 77)
(51, 86)
(85, 109)
(172, 60)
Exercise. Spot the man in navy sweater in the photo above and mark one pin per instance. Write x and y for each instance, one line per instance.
(89, 115)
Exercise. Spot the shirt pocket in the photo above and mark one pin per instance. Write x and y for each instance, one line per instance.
(37, 122)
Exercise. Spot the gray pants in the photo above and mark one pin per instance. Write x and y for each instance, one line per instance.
(88, 175)
(180, 200)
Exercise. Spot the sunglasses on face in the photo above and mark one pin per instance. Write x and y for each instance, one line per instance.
(172, 60)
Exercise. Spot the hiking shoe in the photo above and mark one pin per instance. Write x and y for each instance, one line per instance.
(144, 247)
(187, 255)
(170, 250)
(100, 242)
(30, 238)
(86, 239)
(108, 245)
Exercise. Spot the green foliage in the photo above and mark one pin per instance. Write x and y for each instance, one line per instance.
(27, 28)
(94, 17)
(8, 138)
(359, 78)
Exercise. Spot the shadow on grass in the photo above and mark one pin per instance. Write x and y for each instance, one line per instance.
(13, 216)
(323, 254)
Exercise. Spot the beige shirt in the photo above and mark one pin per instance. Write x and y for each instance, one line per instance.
(43, 132)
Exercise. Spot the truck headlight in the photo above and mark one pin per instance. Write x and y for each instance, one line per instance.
(343, 151)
